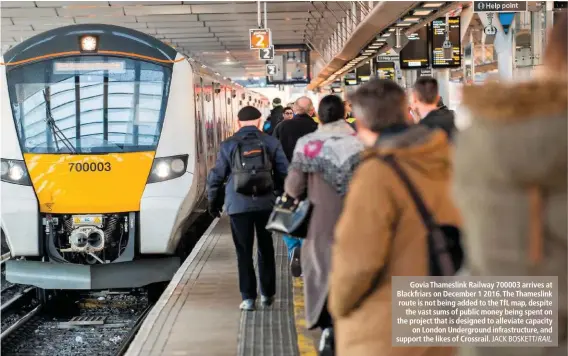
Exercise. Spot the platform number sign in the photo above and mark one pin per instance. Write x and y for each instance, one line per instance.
(271, 69)
(260, 39)
(266, 53)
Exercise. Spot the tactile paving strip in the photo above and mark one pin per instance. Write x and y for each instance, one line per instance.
(272, 331)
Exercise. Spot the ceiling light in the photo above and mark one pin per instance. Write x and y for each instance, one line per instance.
(411, 19)
(402, 24)
(386, 35)
(423, 12)
(432, 4)
(375, 46)
(392, 29)
(227, 52)
(203, 66)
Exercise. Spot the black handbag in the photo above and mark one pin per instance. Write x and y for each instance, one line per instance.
(290, 216)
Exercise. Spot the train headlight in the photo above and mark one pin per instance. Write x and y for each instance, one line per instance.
(166, 168)
(89, 43)
(14, 171)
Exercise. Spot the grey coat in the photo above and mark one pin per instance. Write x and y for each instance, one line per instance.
(316, 250)
(517, 142)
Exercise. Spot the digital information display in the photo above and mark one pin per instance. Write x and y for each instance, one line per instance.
(415, 53)
(446, 47)
(385, 70)
(350, 78)
(364, 73)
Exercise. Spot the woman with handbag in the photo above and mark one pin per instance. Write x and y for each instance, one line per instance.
(381, 233)
(321, 167)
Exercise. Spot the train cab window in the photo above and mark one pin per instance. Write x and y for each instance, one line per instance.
(98, 103)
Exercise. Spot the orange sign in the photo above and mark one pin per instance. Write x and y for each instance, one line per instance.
(259, 38)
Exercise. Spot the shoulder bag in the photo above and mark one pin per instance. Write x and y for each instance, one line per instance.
(290, 216)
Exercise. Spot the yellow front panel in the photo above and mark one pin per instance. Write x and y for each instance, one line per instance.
(105, 183)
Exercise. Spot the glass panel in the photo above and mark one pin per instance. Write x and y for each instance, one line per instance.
(97, 103)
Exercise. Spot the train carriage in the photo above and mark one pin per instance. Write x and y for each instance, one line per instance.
(107, 137)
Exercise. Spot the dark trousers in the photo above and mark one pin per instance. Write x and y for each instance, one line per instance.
(243, 227)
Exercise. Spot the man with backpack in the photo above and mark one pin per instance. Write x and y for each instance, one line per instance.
(253, 166)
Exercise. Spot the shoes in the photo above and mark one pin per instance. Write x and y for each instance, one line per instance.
(295, 262)
(247, 305)
(266, 301)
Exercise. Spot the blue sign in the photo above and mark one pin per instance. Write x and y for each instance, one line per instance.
(506, 19)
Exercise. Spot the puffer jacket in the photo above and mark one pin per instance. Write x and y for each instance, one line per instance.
(516, 146)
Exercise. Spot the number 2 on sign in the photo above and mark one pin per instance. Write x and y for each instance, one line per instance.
(260, 40)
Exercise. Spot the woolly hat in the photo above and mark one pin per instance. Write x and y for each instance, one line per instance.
(249, 113)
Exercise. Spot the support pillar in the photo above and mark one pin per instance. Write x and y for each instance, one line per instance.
(443, 78)
(504, 46)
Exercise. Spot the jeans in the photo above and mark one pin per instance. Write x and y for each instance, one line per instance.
(243, 227)
(291, 243)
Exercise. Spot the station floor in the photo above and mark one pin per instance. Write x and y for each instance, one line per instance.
(198, 313)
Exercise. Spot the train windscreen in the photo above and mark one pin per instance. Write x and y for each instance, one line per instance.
(89, 104)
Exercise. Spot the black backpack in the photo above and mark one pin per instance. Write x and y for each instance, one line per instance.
(252, 166)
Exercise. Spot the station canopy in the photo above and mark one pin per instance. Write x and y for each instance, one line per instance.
(215, 33)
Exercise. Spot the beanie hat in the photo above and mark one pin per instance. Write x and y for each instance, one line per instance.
(249, 113)
(276, 102)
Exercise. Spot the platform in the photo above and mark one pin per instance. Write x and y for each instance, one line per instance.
(198, 313)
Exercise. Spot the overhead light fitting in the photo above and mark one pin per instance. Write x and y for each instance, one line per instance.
(402, 24)
(386, 35)
(374, 46)
(411, 19)
(392, 29)
(432, 4)
(423, 12)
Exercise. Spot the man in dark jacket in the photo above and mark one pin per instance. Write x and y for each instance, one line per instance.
(276, 116)
(426, 103)
(290, 131)
(248, 212)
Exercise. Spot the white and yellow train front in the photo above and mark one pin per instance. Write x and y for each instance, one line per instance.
(98, 158)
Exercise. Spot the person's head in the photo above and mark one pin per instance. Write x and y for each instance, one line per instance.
(378, 104)
(249, 116)
(555, 62)
(288, 113)
(425, 96)
(303, 105)
(276, 102)
(331, 109)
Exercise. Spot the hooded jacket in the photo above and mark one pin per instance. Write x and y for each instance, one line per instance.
(441, 118)
(380, 228)
(276, 117)
(516, 146)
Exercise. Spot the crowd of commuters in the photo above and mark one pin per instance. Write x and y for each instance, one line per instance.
(501, 182)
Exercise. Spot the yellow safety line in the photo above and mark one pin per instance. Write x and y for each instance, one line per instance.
(305, 342)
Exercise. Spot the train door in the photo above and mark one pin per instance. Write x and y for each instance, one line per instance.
(209, 114)
(219, 113)
(199, 135)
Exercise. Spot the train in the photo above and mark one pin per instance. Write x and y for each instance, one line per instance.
(106, 144)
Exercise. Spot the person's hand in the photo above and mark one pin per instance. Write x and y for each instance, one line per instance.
(214, 210)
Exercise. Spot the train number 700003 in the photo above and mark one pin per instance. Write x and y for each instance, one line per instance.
(90, 167)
